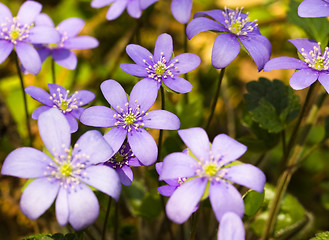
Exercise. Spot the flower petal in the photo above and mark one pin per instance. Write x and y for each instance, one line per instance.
(116, 9)
(36, 113)
(225, 198)
(43, 52)
(65, 58)
(28, 12)
(115, 137)
(143, 146)
(44, 20)
(163, 47)
(139, 54)
(181, 10)
(303, 78)
(166, 190)
(77, 112)
(313, 8)
(144, 94)
(54, 131)
(114, 94)
(72, 122)
(62, 207)
(5, 49)
(125, 174)
(56, 89)
(183, 201)
(178, 165)
(247, 175)
(146, 3)
(40, 95)
(98, 116)
(100, 3)
(29, 57)
(259, 47)
(43, 35)
(82, 200)
(225, 49)
(215, 14)
(196, 139)
(134, 69)
(38, 197)
(231, 227)
(324, 80)
(303, 43)
(71, 26)
(134, 9)
(202, 24)
(284, 63)
(178, 84)
(4, 13)
(81, 42)
(161, 119)
(83, 97)
(104, 179)
(227, 148)
(185, 63)
(93, 144)
(26, 162)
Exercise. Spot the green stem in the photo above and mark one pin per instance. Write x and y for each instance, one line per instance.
(162, 93)
(212, 111)
(186, 97)
(106, 218)
(116, 221)
(53, 71)
(284, 146)
(291, 167)
(195, 218)
(27, 119)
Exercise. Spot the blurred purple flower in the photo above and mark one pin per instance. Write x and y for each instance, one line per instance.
(231, 227)
(209, 168)
(314, 8)
(65, 174)
(20, 33)
(122, 161)
(313, 66)
(181, 10)
(159, 68)
(69, 105)
(234, 27)
(134, 7)
(61, 51)
(129, 118)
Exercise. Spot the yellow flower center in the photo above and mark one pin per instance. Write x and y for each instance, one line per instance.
(129, 119)
(15, 33)
(211, 169)
(160, 69)
(64, 105)
(66, 169)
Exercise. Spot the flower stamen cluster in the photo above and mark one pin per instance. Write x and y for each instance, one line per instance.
(121, 158)
(14, 31)
(129, 118)
(65, 103)
(315, 59)
(238, 24)
(160, 69)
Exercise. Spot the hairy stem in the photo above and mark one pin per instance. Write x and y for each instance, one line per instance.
(106, 218)
(53, 73)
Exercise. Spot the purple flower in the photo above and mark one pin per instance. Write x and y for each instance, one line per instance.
(234, 27)
(65, 174)
(181, 10)
(208, 171)
(313, 66)
(61, 51)
(160, 67)
(129, 118)
(134, 7)
(314, 8)
(231, 227)
(59, 97)
(19, 33)
(122, 161)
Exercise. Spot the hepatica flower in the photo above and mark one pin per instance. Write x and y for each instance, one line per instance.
(70, 105)
(128, 118)
(181, 10)
(208, 171)
(68, 30)
(66, 174)
(134, 7)
(314, 65)
(231, 227)
(160, 67)
(20, 33)
(121, 163)
(314, 8)
(234, 27)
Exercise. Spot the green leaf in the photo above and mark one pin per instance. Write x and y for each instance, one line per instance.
(321, 236)
(252, 202)
(316, 28)
(271, 104)
(41, 236)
